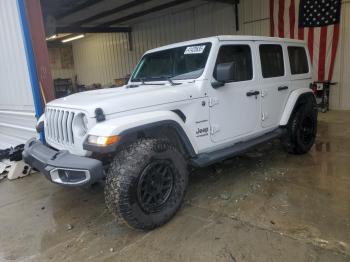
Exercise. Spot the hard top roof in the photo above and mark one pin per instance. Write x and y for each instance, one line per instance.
(228, 38)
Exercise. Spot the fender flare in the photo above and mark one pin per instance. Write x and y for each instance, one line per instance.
(166, 124)
(296, 98)
(155, 129)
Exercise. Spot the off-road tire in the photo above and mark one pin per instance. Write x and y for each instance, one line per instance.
(294, 142)
(124, 175)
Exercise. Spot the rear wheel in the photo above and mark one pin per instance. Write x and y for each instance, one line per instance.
(146, 183)
(301, 130)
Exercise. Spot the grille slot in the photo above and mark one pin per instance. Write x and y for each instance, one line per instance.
(59, 126)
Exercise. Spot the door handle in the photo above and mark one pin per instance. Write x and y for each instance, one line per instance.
(281, 88)
(253, 93)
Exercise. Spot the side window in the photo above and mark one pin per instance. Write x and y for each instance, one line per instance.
(271, 57)
(298, 60)
(241, 57)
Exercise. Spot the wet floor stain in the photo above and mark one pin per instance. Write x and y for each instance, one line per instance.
(321, 146)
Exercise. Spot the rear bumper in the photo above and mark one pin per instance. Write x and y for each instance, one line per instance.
(62, 167)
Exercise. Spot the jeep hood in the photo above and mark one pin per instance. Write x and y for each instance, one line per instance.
(121, 99)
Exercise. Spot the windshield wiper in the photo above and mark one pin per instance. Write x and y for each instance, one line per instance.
(132, 86)
(157, 78)
(144, 79)
(172, 82)
(168, 78)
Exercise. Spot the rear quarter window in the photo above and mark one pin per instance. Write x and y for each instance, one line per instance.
(298, 60)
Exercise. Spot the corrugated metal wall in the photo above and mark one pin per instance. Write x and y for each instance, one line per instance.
(255, 17)
(59, 70)
(100, 58)
(17, 120)
(62, 73)
(340, 94)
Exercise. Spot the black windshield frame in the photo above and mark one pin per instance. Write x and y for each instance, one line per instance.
(179, 63)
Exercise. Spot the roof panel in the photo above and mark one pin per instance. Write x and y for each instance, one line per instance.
(228, 38)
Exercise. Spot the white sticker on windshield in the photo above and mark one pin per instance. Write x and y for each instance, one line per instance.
(196, 49)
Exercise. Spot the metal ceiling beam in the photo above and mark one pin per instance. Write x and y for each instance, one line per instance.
(112, 11)
(98, 29)
(231, 2)
(144, 12)
(77, 8)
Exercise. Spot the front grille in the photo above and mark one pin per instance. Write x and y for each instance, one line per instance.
(59, 126)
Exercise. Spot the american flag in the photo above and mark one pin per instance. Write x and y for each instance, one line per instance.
(317, 22)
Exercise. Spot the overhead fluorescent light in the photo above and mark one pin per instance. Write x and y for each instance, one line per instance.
(72, 38)
(51, 37)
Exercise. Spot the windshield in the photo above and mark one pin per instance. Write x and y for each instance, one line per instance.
(186, 62)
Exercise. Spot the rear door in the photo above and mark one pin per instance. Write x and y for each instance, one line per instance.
(275, 82)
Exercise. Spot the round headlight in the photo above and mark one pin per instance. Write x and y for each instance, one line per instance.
(80, 127)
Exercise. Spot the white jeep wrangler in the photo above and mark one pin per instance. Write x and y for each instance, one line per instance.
(188, 104)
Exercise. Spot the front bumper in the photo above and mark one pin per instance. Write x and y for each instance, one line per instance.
(62, 167)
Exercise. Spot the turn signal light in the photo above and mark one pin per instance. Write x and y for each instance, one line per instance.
(103, 140)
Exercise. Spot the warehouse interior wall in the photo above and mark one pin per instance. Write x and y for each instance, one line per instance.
(340, 95)
(60, 68)
(101, 58)
(17, 115)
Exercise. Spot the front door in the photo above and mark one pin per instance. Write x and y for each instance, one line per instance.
(274, 83)
(235, 107)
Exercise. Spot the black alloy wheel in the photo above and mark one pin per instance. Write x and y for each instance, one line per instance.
(155, 185)
(301, 129)
(307, 130)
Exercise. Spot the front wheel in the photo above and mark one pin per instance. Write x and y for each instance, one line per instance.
(146, 183)
(301, 130)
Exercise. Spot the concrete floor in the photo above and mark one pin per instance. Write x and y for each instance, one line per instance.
(265, 205)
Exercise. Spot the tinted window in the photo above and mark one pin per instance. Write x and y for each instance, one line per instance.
(298, 60)
(241, 57)
(185, 62)
(271, 57)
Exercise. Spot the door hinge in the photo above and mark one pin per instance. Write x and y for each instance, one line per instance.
(264, 116)
(214, 129)
(213, 101)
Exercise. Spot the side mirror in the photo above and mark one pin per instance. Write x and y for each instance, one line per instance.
(224, 73)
